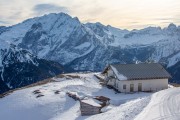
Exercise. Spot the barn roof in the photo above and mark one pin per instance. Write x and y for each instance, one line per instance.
(139, 71)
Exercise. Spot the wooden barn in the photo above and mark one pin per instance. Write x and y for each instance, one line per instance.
(92, 106)
(137, 77)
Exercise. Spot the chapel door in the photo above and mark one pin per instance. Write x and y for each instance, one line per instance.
(139, 87)
(131, 87)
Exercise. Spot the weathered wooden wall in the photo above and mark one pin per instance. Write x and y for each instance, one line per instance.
(87, 109)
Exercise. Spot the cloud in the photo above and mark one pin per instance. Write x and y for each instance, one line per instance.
(3, 22)
(89, 20)
(42, 9)
(163, 19)
(134, 22)
(15, 15)
(119, 13)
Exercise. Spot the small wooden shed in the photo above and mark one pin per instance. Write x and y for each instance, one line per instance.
(92, 106)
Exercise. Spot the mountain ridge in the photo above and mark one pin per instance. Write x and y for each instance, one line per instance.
(48, 36)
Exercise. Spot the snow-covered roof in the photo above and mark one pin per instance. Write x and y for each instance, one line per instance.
(119, 75)
(92, 102)
(139, 71)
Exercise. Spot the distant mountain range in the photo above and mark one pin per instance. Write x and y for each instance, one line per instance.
(79, 47)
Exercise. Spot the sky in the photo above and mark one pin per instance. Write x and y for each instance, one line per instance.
(124, 14)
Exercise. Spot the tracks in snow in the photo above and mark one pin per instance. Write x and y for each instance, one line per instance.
(164, 105)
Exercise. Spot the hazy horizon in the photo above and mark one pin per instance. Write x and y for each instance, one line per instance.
(124, 14)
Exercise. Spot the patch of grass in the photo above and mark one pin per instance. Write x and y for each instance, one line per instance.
(40, 95)
(37, 92)
(67, 76)
(175, 84)
(57, 92)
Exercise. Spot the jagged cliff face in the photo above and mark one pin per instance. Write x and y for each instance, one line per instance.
(91, 46)
(64, 40)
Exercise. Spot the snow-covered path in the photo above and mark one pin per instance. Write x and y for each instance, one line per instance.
(164, 105)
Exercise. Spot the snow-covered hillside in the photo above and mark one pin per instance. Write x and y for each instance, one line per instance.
(164, 105)
(50, 101)
(24, 104)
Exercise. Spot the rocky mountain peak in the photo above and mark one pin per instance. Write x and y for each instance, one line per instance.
(15, 55)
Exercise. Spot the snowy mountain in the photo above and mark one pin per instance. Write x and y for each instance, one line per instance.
(91, 46)
(61, 38)
(20, 68)
(3, 29)
(50, 101)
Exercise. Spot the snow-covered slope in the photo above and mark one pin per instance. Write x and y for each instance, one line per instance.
(50, 101)
(53, 105)
(163, 105)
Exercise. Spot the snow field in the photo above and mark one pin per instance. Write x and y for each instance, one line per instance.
(50, 102)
